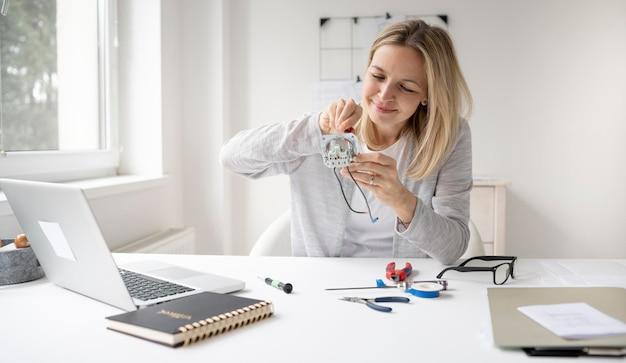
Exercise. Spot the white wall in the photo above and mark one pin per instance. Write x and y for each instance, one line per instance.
(140, 87)
(549, 81)
(550, 86)
(203, 107)
(150, 113)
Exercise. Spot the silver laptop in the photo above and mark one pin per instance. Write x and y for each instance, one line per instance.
(67, 241)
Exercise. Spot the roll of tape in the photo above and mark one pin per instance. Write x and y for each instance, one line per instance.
(425, 289)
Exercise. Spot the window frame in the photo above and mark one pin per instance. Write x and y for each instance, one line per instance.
(60, 165)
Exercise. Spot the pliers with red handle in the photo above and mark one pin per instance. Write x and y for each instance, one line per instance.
(398, 275)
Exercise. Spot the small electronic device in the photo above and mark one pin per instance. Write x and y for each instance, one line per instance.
(339, 149)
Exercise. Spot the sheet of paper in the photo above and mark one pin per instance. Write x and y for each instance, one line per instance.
(574, 321)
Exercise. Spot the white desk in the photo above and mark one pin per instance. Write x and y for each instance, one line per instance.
(44, 323)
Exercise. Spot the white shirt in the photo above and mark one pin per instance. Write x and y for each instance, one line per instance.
(362, 238)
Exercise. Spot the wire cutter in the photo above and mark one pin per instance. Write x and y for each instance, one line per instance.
(398, 275)
(370, 302)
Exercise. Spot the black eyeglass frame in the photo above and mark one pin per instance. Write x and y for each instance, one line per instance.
(462, 268)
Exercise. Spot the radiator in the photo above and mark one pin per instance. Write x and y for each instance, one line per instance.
(171, 241)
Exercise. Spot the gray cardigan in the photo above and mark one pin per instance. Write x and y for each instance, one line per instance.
(319, 213)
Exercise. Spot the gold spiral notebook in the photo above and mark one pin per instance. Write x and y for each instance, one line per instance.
(190, 319)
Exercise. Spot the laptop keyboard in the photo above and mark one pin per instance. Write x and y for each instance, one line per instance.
(146, 288)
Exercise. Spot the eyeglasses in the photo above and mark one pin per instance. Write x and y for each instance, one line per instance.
(501, 271)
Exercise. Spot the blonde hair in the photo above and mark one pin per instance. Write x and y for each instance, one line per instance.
(434, 126)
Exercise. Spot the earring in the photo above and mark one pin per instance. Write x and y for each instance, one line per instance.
(424, 103)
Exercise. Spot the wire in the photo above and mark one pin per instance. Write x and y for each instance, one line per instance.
(343, 193)
(374, 220)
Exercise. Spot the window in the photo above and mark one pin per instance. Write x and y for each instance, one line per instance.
(57, 89)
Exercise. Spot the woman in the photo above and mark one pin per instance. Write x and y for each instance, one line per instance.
(415, 171)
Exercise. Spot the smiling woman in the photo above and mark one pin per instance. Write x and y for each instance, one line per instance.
(415, 170)
(423, 61)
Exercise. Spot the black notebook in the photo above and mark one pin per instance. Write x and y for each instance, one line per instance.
(192, 318)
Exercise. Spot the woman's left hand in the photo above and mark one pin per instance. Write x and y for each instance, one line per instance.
(378, 173)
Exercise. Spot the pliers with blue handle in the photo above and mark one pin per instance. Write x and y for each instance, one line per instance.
(370, 302)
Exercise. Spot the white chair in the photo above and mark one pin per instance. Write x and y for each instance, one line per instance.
(475, 246)
(276, 239)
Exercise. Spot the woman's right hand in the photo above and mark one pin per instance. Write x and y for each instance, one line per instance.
(340, 116)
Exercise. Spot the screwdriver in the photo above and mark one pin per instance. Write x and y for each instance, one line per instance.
(287, 288)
